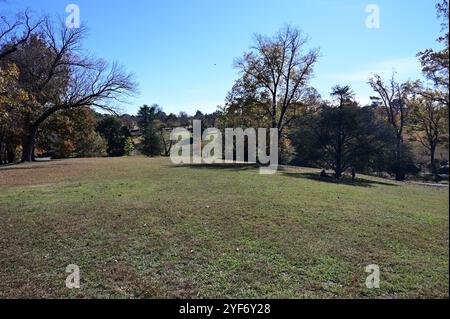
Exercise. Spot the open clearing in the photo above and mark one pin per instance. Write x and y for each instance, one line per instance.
(143, 228)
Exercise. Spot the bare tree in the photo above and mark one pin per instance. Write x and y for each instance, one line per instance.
(167, 143)
(435, 64)
(57, 76)
(392, 97)
(16, 32)
(276, 73)
(429, 119)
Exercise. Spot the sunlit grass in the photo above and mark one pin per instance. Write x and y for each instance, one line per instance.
(143, 228)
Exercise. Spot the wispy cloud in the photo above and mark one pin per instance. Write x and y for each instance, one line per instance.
(408, 67)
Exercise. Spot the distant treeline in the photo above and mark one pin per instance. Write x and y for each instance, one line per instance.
(49, 90)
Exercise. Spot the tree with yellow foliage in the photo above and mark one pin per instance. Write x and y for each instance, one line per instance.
(12, 98)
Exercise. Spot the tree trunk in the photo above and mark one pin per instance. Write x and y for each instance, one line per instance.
(400, 169)
(338, 168)
(11, 153)
(28, 145)
(29, 141)
(433, 163)
(1, 150)
(339, 144)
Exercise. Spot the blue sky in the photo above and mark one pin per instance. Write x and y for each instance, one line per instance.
(182, 51)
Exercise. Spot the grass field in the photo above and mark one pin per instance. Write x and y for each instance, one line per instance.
(142, 228)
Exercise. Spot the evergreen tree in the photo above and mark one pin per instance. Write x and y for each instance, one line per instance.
(152, 143)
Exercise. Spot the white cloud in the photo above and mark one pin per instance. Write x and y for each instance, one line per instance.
(404, 67)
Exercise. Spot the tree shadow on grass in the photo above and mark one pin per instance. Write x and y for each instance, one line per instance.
(360, 182)
(31, 166)
(222, 166)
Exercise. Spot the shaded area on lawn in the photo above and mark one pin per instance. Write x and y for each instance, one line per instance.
(360, 182)
(345, 181)
(40, 163)
(226, 166)
(17, 167)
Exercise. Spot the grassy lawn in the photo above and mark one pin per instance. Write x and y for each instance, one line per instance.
(142, 228)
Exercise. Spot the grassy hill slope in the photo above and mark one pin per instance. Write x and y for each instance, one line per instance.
(143, 228)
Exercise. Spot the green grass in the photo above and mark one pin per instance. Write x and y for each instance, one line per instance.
(142, 228)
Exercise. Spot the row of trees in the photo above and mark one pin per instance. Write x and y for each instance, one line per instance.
(342, 134)
(46, 79)
(155, 127)
(274, 91)
(48, 87)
